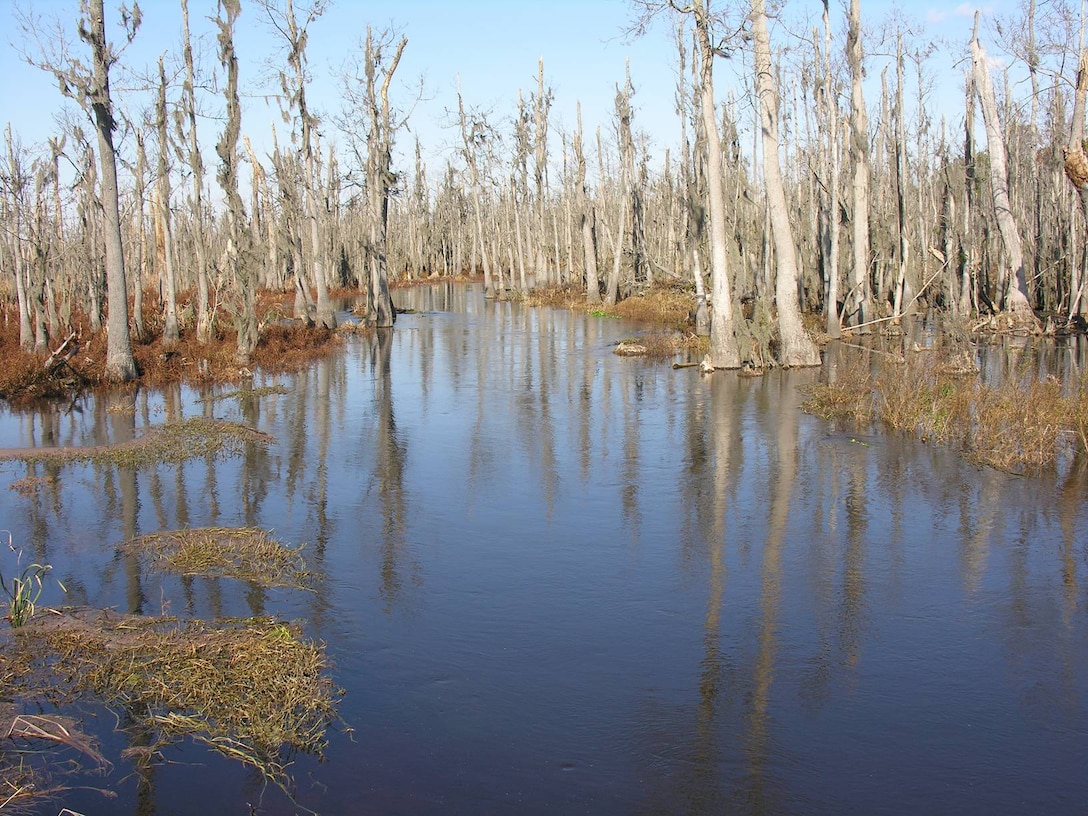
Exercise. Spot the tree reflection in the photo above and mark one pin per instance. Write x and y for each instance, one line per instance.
(389, 466)
(757, 739)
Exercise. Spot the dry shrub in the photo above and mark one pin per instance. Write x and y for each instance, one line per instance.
(292, 346)
(671, 306)
(849, 397)
(245, 553)
(1019, 429)
(254, 690)
(283, 346)
(664, 306)
(557, 297)
(915, 396)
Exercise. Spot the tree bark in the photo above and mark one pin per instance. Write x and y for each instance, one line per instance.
(1015, 294)
(795, 346)
(723, 340)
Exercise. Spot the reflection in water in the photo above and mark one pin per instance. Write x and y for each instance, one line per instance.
(758, 737)
(647, 591)
(389, 465)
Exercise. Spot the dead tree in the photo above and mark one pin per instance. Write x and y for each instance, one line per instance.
(285, 23)
(237, 255)
(1015, 290)
(379, 174)
(795, 346)
(90, 87)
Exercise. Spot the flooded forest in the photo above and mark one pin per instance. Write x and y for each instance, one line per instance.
(741, 469)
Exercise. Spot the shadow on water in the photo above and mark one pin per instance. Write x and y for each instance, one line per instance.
(555, 580)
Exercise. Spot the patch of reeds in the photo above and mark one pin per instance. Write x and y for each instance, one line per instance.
(173, 443)
(1019, 427)
(243, 553)
(253, 690)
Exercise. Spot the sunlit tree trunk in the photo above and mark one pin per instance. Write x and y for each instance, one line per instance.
(796, 347)
(205, 317)
(1015, 294)
(588, 217)
(860, 305)
(120, 365)
(723, 341)
(380, 178)
(170, 333)
(237, 255)
(1076, 170)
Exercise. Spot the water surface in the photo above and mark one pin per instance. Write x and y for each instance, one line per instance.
(554, 580)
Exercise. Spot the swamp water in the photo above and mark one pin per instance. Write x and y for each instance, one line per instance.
(553, 580)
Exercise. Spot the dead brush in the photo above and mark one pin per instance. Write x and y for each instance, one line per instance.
(915, 396)
(1021, 426)
(849, 397)
(1020, 429)
(253, 690)
(662, 306)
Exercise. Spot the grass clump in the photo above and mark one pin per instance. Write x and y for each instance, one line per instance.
(253, 690)
(25, 587)
(246, 553)
(173, 443)
(1018, 427)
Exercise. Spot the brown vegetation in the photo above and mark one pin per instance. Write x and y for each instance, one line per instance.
(283, 345)
(669, 309)
(172, 443)
(1019, 427)
(247, 553)
(249, 689)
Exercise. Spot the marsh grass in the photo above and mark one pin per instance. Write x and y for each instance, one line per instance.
(254, 690)
(173, 443)
(245, 553)
(1019, 427)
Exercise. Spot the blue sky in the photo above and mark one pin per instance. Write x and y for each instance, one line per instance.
(492, 45)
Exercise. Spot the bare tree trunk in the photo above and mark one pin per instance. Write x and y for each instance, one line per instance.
(723, 341)
(966, 293)
(1076, 170)
(139, 240)
(16, 183)
(380, 313)
(903, 289)
(831, 215)
(170, 333)
(796, 347)
(861, 293)
(588, 219)
(1015, 295)
(237, 255)
(474, 136)
(120, 365)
